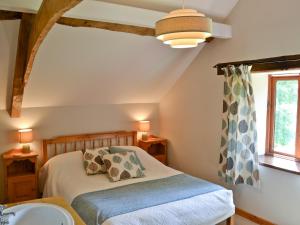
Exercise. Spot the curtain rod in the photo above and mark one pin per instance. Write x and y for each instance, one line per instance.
(280, 59)
(265, 65)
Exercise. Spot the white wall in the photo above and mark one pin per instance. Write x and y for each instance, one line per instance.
(190, 113)
(55, 121)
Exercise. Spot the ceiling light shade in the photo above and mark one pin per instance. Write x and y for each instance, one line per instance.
(183, 28)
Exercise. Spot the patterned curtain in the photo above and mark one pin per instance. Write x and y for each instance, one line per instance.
(239, 158)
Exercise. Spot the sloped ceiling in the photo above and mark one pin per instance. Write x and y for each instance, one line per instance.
(99, 67)
(80, 66)
(214, 8)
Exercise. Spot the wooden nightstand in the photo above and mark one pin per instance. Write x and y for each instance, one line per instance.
(20, 175)
(155, 146)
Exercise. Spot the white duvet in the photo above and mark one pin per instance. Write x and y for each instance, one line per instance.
(65, 176)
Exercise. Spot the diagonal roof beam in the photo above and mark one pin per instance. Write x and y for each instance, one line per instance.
(74, 22)
(220, 30)
(10, 15)
(33, 30)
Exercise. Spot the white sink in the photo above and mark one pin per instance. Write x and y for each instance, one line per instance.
(39, 214)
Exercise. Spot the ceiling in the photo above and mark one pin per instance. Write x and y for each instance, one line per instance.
(217, 9)
(102, 67)
(84, 66)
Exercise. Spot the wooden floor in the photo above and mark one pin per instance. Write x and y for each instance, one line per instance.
(253, 218)
(238, 220)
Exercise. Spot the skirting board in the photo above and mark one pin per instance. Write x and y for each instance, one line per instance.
(252, 218)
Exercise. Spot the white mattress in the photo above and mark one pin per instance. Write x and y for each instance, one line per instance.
(65, 176)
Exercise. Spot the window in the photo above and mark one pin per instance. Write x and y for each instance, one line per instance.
(283, 122)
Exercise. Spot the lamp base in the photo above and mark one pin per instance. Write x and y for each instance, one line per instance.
(26, 149)
(144, 137)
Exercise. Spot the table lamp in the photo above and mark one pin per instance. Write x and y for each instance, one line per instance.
(25, 137)
(144, 127)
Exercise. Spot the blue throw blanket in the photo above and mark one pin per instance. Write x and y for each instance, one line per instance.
(96, 207)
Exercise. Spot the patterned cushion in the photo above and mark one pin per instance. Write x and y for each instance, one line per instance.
(121, 166)
(118, 149)
(93, 162)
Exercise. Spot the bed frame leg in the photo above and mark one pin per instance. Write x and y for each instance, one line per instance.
(230, 221)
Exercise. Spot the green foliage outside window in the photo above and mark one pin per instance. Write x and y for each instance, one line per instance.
(286, 112)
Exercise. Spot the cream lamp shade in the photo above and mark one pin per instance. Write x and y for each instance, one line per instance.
(183, 28)
(144, 126)
(25, 137)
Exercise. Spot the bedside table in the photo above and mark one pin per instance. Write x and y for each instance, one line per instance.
(156, 147)
(20, 175)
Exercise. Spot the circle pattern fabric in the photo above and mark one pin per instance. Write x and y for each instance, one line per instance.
(238, 163)
(93, 162)
(122, 166)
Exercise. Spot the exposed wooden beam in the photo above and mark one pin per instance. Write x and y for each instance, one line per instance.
(20, 67)
(220, 30)
(267, 64)
(143, 31)
(49, 12)
(38, 26)
(9, 15)
(74, 22)
(30, 38)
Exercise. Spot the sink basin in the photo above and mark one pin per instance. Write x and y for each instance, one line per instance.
(39, 213)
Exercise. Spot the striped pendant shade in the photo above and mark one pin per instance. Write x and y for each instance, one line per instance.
(183, 28)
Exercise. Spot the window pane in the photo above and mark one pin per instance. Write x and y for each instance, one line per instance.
(286, 116)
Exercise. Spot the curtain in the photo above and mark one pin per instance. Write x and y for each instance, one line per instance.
(238, 163)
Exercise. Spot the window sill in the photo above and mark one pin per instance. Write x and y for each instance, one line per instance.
(283, 164)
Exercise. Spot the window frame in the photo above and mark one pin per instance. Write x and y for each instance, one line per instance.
(271, 106)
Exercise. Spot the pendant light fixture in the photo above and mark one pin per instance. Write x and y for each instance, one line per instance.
(183, 28)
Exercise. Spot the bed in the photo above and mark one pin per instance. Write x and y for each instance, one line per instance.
(162, 196)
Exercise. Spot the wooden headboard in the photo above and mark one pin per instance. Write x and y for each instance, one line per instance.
(64, 144)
